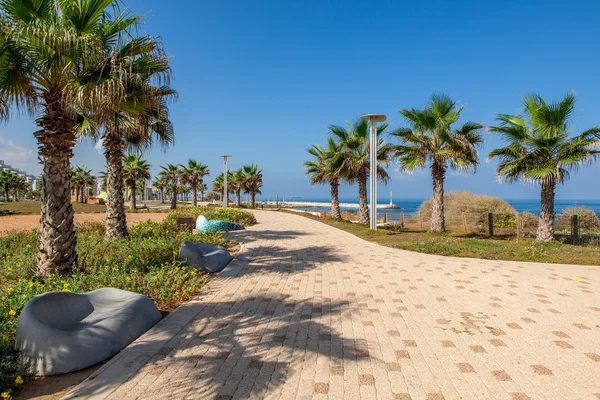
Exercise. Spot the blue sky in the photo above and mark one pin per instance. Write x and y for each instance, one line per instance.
(261, 80)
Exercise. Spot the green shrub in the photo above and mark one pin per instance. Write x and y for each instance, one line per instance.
(587, 218)
(236, 215)
(145, 263)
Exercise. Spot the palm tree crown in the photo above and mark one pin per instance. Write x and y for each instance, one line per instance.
(327, 168)
(193, 174)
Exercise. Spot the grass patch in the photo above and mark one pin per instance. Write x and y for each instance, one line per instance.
(472, 245)
(145, 263)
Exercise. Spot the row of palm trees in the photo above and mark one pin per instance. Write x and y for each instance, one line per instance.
(81, 179)
(12, 184)
(79, 68)
(248, 179)
(538, 149)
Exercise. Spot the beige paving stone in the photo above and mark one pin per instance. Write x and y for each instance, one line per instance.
(307, 311)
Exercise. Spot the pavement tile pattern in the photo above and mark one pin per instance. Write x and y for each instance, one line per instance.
(311, 312)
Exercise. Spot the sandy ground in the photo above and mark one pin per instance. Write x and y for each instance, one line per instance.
(26, 222)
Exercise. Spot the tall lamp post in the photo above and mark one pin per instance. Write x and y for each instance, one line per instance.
(225, 193)
(374, 119)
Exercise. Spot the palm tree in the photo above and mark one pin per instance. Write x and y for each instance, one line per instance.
(431, 139)
(237, 184)
(538, 149)
(253, 182)
(135, 170)
(171, 174)
(81, 178)
(355, 158)
(217, 184)
(160, 183)
(202, 188)
(7, 179)
(193, 173)
(46, 48)
(136, 118)
(327, 168)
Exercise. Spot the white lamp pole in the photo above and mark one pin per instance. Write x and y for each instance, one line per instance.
(225, 193)
(374, 119)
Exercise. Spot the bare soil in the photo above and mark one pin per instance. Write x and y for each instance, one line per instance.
(27, 222)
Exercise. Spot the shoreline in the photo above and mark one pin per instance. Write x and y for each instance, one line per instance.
(300, 204)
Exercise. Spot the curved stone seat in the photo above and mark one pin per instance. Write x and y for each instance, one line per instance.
(204, 257)
(215, 225)
(61, 332)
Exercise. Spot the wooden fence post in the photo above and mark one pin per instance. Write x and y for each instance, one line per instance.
(491, 224)
(277, 201)
(519, 225)
(575, 229)
(402, 218)
(466, 227)
(385, 217)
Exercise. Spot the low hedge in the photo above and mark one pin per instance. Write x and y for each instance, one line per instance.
(236, 215)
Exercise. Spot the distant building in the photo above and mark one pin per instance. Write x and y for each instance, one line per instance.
(31, 179)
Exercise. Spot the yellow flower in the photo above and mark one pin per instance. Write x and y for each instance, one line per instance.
(5, 338)
(127, 278)
(28, 246)
(12, 313)
(30, 284)
(5, 395)
(10, 290)
(19, 380)
(65, 290)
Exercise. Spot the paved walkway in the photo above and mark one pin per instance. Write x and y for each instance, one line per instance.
(308, 311)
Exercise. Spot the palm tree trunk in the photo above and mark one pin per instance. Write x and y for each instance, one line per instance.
(83, 193)
(335, 200)
(438, 221)
(545, 232)
(194, 193)
(363, 206)
(6, 194)
(116, 221)
(253, 198)
(162, 195)
(56, 139)
(238, 197)
(202, 196)
(174, 198)
(133, 201)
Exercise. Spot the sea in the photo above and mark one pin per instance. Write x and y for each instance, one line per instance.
(409, 206)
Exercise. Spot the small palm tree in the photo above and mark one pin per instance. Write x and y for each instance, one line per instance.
(135, 170)
(253, 182)
(356, 160)
(7, 179)
(160, 184)
(218, 184)
(237, 185)
(202, 188)
(171, 174)
(431, 139)
(327, 168)
(193, 173)
(538, 149)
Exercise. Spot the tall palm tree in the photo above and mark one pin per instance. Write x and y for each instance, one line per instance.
(81, 178)
(431, 139)
(539, 149)
(253, 182)
(327, 168)
(46, 47)
(76, 177)
(160, 184)
(135, 170)
(356, 160)
(136, 118)
(171, 174)
(193, 173)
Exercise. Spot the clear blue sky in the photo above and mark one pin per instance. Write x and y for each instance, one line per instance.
(261, 80)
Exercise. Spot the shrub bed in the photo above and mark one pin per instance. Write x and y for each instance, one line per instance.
(145, 263)
(228, 214)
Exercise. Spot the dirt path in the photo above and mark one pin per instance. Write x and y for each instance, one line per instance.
(26, 222)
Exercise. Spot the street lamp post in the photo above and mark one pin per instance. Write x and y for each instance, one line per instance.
(374, 119)
(225, 194)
